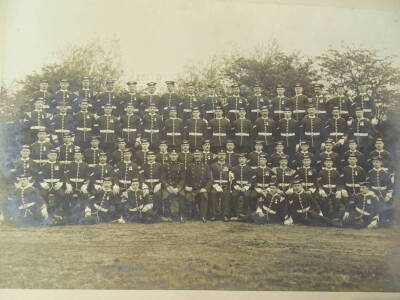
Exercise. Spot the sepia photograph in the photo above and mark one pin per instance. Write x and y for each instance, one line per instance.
(189, 146)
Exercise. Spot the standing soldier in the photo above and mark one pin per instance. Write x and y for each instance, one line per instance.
(189, 102)
(92, 154)
(196, 129)
(152, 173)
(308, 175)
(173, 129)
(341, 101)
(35, 121)
(66, 151)
(279, 103)
(85, 93)
(61, 124)
(41, 148)
(84, 124)
(77, 179)
(107, 98)
(232, 158)
(289, 131)
(151, 99)
(256, 102)
(51, 180)
(152, 124)
(210, 103)
(141, 155)
(126, 170)
(99, 172)
(44, 94)
(63, 95)
(361, 130)
(265, 129)
(241, 195)
(220, 128)
(208, 157)
(234, 103)
(220, 194)
(320, 102)
(117, 155)
(364, 101)
(170, 99)
(255, 156)
(107, 126)
(242, 129)
(198, 181)
(351, 176)
(24, 166)
(311, 127)
(162, 156)
(173, 195)
(185, 157)
(130, 126)
(284, 175)
(299, 103)
(130, 98)
(336, 128)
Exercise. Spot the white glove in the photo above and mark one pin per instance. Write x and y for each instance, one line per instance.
(217, 187)
(58, 185)
(246, 188)
(259, 190)
(350, 121)
(374, 121)
(373, 224)
(133, 209)
(88, 212)
(121, 220)
(322, 193)
(188, 189)
(175, 190)
(312, 190)
(44, 185)
(236, 187)
(115, 189)
(203, 190)
(346, 215)
(338, 195)
(320, 213)
(97, 187)
(259, 212)
(344, 194)
(341, 141)
(45, 214)
(84, 189)
(170, 189)
(289, 191)
(147, 207)
(68, 189)
(157, 187)
(288, 221)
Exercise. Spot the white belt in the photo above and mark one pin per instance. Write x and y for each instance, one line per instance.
(363, 212)
(367, 110)
(299, 111)
(151, 130)
(379, 188)
(233, 110)
(255, 110)
(196, 133)
(287, 134)
(61, 130)
(242, 134)
(242, 182)
(40, 160)
(187, 110)
(269, 210)
(221, 181)
(106, 131)
(209, 111)
(303, 210)
(352, 185)
(65, 162)
(129, 129)
(329, 186)
(91, 165)
(344, 112)
(360, 134)
(51, 180)
(77, 179)
(263, 185)
(308, 184)
(26, 205)
(336, 133)
(322, 112)
(152, 180)
(84, 129)
(265, 133)
(219, 134)
(125, 181)
(312, 133)
(278, 111)
(283, 184)
(38, 127)
(173, 133)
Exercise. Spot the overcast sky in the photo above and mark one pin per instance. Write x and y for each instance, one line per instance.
(158, 38)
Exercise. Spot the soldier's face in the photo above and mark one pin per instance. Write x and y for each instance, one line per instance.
(211, 91)
(328, 147)
(173, 156)
(363, 89)
(264, 113)
(103, 159)
(25, 153)
(127, 156)
(129, 109)
(335, 112)
(42, 136)
(317, 90)
(52, 157)
(109, 86)
(306, 162)
(63, 109)
(107, 110)
(94, 143)
(298, 90)
(359, 114)
(185, 147)
(297, 187)
(352, 161)
(288, 114)
(23, 182)
(78, 156)
(242, 160)
(145, 146)
(85, 84)
(304, 147)
(64, 85)
(197, 156)
(236, 90)
(353, 146)
(152, 110)
(152, 89)
(132, 88)
(44, 86)
(230, 146)
(191, 89)
(196, 114)
(39, 105)
(328, 163)
(376, 163)
(151, 158)
(206, 147)
(242, 113)
(170, 88)
(218, 113)
(279, 148)
(340, 90)
(121, 145)
(258, 147)
(84, 106)
(172, 114)
(67, 139)
(364, 189)
(311, 111)
(221, 156)
(135, 185)
(283, 163)
(280, 91)
(379, 145)
(163, 147)
(263, 162)
(107, 184)
(257, 90)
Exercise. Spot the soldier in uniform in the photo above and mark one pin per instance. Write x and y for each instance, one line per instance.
(276, 156)
(152, 124)
(353, 151)
(232, 158)
(362, 209)
(220, 129)
(328, 153)
(84, 124)
(130, 126)
(85, 93)
(141, 155)
(25, 205)
(279, 103)
(208, 157)
(263, 177)
(299, 103)
(234, 103)
(152, 173)
(61, 124)
(185, 157)
(361, 130)
(284, 175)
(52, 182)
(24, 166)
(41, 148)
(196, 129)
(220, 194)
(173, 129)
(77, 176)
(170, 99)
(265, 129)
(308, 175)
(256, 102)
(336, 128)
(66, 151)
(198, 182)
(352, 175)
(320, 102)
(341, 101)
(163, 155)
(35, 121)
(44, 94)
(364, 101)
(117, 155)
(189, 102)
(311, 127)
(101, 170)
(107, 126)
(383, 154)
(125, 170)
(254, 156)
(304, 152)
(173, 195)
(242, 130)
(241, 193)
(108, 98)
(105, 204)
(289, 131)
(92, 154)
(130, 98)
(210, 103)
(151, 99)
(63, 95)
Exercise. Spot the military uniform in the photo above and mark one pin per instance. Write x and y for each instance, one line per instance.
(363, 209)
(234, 103)
(278, 105)
(39, 151)
(173, 132)
(311, 131)
(242, 130)
(299, 104)
(209, 104)
(34, 122)
(256, 102)
(152, 124)
(289, 132)
(107, 98)
(137, 207)
(105, 205)
(241, 193)
(66, 153)
(84, 124)
(352, 176)
(62, 97)
(107, 126)
(152, 173)
(189, 102)
(125, 171)
(61, 124)
(265, 130)
(196, 132)
(220, 200)
(219, 131)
